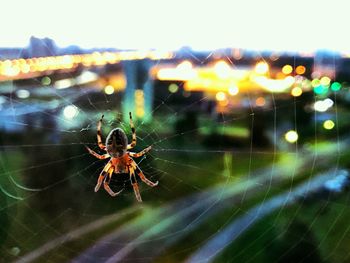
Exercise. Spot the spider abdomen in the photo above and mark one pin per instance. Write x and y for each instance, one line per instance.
(116, 143)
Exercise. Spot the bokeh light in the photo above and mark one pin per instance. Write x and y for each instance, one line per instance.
(296, 91)
(173, 88)
(109, 89)
(291, 136)
(70, 111)
(336, 86)
(328, 124)
(220, 96)
(300, 70)
(233, 90)
(287, 69)
(22, 93)
(261, 67)
(260, 101)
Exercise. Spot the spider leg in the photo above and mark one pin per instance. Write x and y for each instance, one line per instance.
(139, 154)
(133, 142)
(99, 134)
(106, 183)
(142, 176)
(101, 157)
(102, 176)
(134, 184)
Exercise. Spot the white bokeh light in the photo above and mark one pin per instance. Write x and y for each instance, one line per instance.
(70, 111)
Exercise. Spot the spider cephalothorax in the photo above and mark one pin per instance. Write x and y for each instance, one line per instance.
(120, 159)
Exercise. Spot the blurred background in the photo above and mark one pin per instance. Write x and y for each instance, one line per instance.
(246, 106)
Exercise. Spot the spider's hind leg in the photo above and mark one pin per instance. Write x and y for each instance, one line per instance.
(134, 184)
(106, 183)
(142, 176)
(102, 176)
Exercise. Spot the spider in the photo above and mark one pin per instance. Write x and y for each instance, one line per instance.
(120, 161)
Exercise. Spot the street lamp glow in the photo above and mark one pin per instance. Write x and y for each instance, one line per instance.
(70, 111)
(291, 136)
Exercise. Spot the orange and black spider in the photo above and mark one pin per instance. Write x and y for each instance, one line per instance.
(120, 159)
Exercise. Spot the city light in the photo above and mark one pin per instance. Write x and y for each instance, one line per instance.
(46, 81)
(109, 89)
(64, 83)
(22, 93)
(275, 85)
(287, 69)
(323, 105)
(233, 90)
(173, 88)
(296, 91)
(291, 136)
(336, 86)
(300, 70)
(139, 103)
(220, 96)
(328, 124)
(325, 81)
(315, 82)
(222, 69)
(261, 68)
(70, 111)
(185, 65)
(260, 102)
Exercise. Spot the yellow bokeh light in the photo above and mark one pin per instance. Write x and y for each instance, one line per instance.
(315, 83)
(287, 69)
(173, 88)
(296, 91)
(291, 136)
(325, 81)
(233, 90)
(300, 70)
(220, 96)
(261, 67)
(109, 89)
(328, 124)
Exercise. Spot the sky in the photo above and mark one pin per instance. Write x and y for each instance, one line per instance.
(299, 25)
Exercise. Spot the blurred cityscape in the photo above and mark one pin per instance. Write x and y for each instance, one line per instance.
(250, 149)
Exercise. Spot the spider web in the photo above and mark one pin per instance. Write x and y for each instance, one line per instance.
(217, 199)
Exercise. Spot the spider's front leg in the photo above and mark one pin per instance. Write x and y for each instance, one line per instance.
(133, 142)
(139, 154)
(99, 156)
(99, 134)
